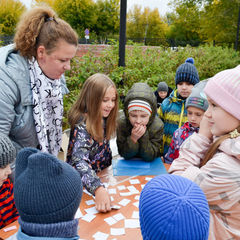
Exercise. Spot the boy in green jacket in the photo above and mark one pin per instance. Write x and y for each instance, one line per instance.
(140, 131)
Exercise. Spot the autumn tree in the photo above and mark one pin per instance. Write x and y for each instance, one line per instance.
(185, 22)
(108, 17)
(10, 12)
(147, 23)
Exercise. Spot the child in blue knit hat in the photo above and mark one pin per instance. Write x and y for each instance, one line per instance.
(173, 208)
(47, 194)
(172, 111)
(8, 210)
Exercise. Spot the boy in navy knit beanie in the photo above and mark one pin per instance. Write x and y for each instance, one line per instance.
(172, 111)
(47, 193)
(8, 211)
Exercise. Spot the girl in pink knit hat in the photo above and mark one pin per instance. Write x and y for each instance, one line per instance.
(211, 158)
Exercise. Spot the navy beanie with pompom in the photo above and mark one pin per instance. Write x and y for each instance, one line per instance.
(173, 207)
(187, 72)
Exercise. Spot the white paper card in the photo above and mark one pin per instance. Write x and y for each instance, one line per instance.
(132, 223)
(110, 221)
(100, 236)
(112, 199)
(134, 181)
(112, 191)
(124, 194)
(136, 204)
(78, 214)
(124, 202)
(137, 197)
(118, 216)
(148, 178)
(132, 189)
(135, 214)
(121, 187)
(88, 193)
(91, 210)
(106, 184)
(90, 202)
(117, 231)
(88, 217)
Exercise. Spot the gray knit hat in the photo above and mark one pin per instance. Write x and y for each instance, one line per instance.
(7, 150)
(198, 98)
(162, 86)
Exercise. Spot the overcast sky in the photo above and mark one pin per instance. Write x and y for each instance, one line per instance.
(160, 4)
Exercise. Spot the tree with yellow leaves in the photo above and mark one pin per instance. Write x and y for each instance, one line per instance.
(10, 12)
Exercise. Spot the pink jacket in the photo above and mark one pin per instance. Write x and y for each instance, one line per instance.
(219, 180)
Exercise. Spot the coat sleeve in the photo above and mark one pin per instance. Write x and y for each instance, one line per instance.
(126, 148)
(9, 96)
(150, 142)
(173, 150)
(80, 160)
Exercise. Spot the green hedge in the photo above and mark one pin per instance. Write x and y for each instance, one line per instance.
(150, 65)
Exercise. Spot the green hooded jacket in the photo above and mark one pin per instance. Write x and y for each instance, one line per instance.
(148, 146)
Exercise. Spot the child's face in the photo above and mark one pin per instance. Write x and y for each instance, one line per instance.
(162, 94)
(4, 172)
(195, 116)
(138, 117)
(108, 102)
(184, 89)
(220, 121)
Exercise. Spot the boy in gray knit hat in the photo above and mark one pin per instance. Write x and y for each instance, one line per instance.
(163, 91)
(8, 211)
(196, 105)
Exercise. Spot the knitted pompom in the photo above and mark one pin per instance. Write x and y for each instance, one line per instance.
(189, 60)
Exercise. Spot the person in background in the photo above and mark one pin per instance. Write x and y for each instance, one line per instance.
(32, 83)
(172, 111)
(47, 193)
(211, 157)
(173, 207)
(93, 122)
(196, 105)
(139, 130)
(8, 210)
(163, 91)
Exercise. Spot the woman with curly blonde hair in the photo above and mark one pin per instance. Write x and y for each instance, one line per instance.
(32, 83)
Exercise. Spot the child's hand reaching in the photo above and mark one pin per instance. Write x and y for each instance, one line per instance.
(137, 132)
(102, 200)
(205, 128)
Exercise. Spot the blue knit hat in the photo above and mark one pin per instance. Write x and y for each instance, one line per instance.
(46, 190)
(187, 72)
(172, 207)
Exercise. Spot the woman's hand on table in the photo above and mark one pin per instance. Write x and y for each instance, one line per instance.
(102, 200)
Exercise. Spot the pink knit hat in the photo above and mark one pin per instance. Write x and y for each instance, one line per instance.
(224, 89)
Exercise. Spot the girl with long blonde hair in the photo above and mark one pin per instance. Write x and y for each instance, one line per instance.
(93, 122)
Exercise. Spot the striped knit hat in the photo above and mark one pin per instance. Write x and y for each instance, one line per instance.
(224, 90)
(139, 105)
(173, 207)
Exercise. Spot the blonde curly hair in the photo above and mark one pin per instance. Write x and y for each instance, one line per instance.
(41, 27)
